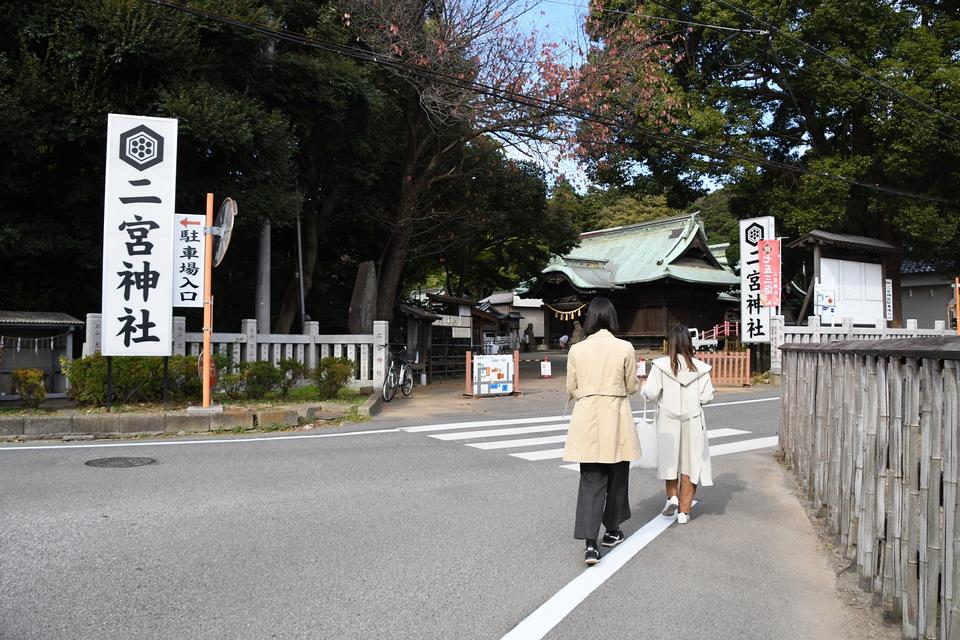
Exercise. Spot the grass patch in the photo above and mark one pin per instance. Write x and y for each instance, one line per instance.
(23, 411)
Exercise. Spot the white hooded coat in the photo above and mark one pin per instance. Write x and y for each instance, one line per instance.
(680, 399)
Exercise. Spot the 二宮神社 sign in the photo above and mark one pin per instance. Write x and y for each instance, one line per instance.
(189, 251)
(138, 233)
(754, 317)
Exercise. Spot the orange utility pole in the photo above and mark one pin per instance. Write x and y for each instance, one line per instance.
(207, 300)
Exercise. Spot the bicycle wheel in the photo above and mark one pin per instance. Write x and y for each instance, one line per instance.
(390, 385)
(406, 381)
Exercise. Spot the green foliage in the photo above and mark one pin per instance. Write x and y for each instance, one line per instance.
(30, 387)
(249, 380)
(291, 371)
(779, 100)
(135, 379)
(331, 375)
(259, 379)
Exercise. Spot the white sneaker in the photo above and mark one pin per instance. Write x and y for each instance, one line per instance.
(673, 504)
(683, 518)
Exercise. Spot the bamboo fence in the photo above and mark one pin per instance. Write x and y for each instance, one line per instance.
(870, 427)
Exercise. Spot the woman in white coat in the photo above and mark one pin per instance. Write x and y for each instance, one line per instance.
(680, 384)
(602, 437)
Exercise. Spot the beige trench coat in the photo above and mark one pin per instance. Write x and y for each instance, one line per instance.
(601, 373)
(680, 399)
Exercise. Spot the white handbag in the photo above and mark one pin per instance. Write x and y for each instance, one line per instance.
(647, 432)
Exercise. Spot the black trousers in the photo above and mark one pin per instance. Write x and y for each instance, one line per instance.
(603, 498)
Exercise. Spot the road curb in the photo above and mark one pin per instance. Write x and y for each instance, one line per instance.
(114, 424)
(372, 406)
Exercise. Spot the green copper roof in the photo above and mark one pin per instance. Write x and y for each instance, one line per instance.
(673, 248)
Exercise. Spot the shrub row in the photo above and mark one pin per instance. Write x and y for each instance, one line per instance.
(140, 379)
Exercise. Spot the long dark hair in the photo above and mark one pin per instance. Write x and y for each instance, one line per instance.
(679, 344)
(600, 315)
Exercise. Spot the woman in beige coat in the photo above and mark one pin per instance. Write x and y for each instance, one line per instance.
(680, 384)
(601, 373)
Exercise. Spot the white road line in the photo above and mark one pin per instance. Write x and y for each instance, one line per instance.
(494, 433)
(724, 433)
(449, 426)
(522, 442)
(725, 449)
(480, 423)
(550, 613)
(728, 448)
(546, 454)
(168, 443)
(529, 442)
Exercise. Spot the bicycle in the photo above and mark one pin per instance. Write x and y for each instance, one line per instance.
(400, 375)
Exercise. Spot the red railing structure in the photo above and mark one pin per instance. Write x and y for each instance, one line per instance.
(730, 368)
(721, 330)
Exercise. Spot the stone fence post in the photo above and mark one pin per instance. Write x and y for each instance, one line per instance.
(179, 336)
(248, 327)
(381, 332)
(94, 328)
(311, 328)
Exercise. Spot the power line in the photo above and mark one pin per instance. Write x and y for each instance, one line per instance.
(660, 18)
(838, 61)
(807, 70)
(547, 107)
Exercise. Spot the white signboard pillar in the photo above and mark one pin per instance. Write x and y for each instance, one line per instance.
(754, 317)
(138, 207)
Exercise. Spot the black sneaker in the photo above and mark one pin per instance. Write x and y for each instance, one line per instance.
(591, 556)
(612, 538)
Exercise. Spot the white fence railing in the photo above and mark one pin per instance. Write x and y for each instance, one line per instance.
(815, 333)
(367, 352)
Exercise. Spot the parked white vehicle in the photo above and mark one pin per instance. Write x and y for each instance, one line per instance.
(702, 344)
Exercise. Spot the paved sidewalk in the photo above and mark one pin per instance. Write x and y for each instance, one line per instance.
(749, 565)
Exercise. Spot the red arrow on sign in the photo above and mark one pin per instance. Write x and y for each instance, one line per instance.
(185, 222)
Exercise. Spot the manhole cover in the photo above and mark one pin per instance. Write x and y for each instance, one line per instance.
(119, 462)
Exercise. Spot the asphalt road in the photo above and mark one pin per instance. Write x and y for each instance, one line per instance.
(387, 533)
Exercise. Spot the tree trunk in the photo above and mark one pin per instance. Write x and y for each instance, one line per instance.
(395, 254)
(394, 257)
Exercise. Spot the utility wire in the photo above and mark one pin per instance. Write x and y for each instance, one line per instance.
(838, 61)
(546, 106)
(849, 92)
(659, 18)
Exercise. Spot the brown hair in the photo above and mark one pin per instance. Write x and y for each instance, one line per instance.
(679, 344)
(600, 315)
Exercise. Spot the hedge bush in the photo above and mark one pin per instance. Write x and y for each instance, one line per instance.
(331, 375)
(291, 370)
(30, 386)
(135, 379)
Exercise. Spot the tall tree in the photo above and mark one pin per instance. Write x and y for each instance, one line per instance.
(63, 66)
(865, 90)
(462, 71)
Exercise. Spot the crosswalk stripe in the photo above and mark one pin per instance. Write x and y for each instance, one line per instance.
(546, 454)
(550, 454)
(494, 433)
(478, 423)
(727, 448)
(522, 442)
(449, 426)
(716, 450)
(724, 433)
